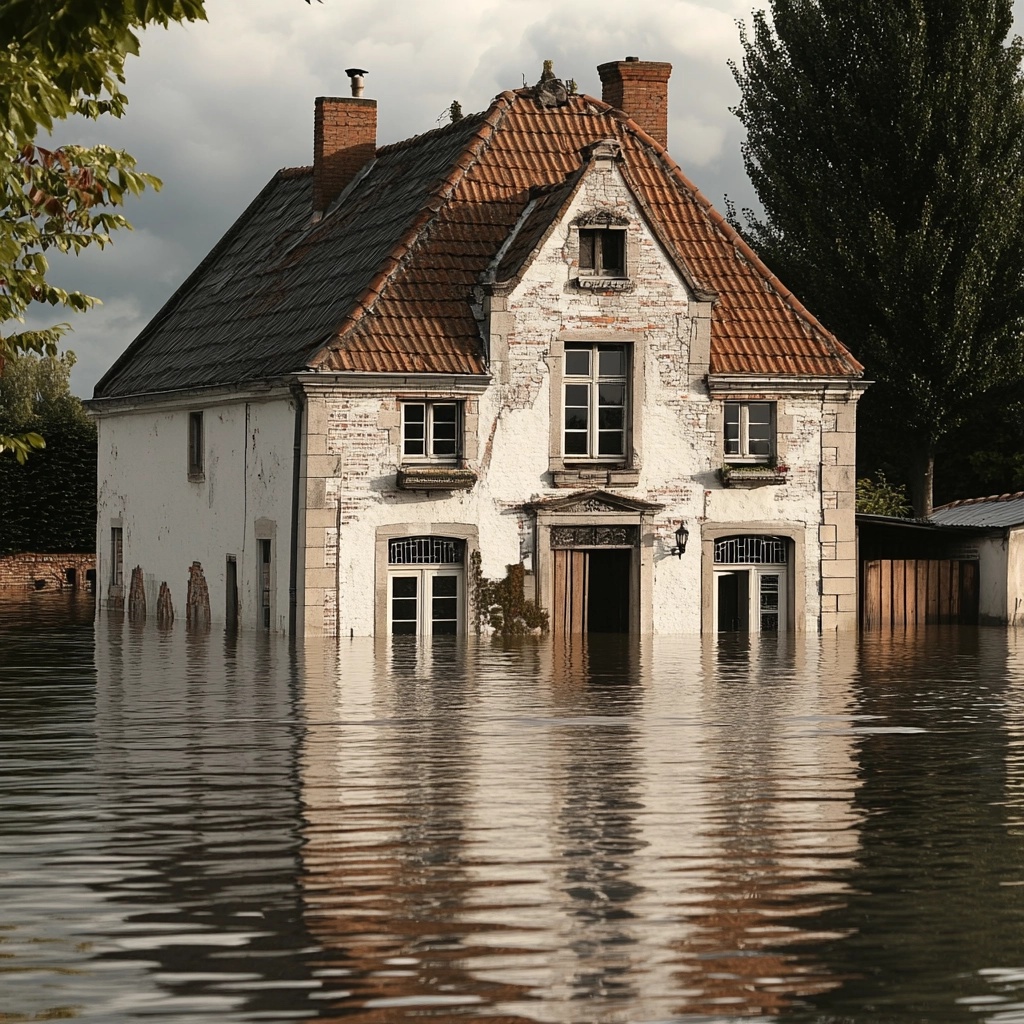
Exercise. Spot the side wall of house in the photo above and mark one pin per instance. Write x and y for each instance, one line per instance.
(179, 526)
(514, 433)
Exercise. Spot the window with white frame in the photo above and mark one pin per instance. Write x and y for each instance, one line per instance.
(602, 252)
(749, 431)
(431, 431)
(595, 402)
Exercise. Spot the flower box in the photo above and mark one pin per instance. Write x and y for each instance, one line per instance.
(753, 476)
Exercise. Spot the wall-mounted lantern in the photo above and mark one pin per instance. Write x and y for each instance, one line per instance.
(682, 536)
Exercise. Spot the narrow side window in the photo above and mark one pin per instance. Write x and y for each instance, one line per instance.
(195, 444)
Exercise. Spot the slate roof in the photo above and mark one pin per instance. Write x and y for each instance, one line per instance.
(384, 282)
(997, 510)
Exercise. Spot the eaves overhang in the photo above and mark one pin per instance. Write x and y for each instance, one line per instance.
(724, 385)
(187, 397)
(472, 384)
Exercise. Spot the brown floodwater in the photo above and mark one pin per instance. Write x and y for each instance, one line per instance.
(203, 828)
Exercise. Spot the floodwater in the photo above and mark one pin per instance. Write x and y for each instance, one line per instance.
(195, 828)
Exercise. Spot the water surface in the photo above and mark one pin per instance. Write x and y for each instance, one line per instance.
(201, 828)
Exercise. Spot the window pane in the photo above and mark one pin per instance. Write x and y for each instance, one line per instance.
(577, 396)
(732, 428)
(445, 430)
(613, 250)
(414, 429)
(576, 443)
(759, 429)
(611, 395)
(587, 249)
(609, 442)
(609, 419)
(403, 586)
(444, 415)
(577, 362)
(611, 361)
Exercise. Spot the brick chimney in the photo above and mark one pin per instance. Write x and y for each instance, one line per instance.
(639, 88)
(344, 139)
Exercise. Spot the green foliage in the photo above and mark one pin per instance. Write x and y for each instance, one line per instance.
(501, 605)
(49, 502)
(878, 497)
(886, 144)
(61, 58)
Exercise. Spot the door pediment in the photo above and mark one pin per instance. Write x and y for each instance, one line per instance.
(593, 502)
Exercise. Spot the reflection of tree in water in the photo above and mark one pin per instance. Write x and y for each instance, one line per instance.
(775, 830)
(387, 891)
(936, 897)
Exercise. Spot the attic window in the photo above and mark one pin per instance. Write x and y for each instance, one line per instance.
(602, 252)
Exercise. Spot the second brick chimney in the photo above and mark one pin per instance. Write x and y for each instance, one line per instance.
(344, 139)
(639, 88)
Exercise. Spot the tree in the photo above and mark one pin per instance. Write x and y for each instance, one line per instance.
(62, 58)
(49, 502)
(885, 141)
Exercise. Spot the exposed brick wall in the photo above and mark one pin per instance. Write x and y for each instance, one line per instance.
(640, 89)
(45, 572)
(344, 139)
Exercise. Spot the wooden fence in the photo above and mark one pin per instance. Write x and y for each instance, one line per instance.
(917, 592)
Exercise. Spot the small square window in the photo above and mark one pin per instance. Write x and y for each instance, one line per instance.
(602, 252)
(196, 450)
(431, 432)
(749, 431)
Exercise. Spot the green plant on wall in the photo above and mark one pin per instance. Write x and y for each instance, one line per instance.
(501, 604)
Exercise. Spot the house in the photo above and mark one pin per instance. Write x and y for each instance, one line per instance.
(996, 527)
(522, 339)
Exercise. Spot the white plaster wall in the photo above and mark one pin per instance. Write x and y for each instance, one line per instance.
(992, 579)
(169, 521)
(1014, 570)
(679, 451)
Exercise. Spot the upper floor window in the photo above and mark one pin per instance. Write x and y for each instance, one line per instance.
(431, 431)
(196, 448)
(602, 252)
(595, 403)
(749, 431)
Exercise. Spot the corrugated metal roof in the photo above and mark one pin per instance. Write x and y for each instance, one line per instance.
(385, 281)
(997, 510)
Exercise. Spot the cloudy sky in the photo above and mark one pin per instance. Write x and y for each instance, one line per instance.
(217, 107)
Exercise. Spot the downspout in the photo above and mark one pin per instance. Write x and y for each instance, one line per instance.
(293, 567)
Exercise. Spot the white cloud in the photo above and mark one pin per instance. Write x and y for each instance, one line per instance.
(216, 108)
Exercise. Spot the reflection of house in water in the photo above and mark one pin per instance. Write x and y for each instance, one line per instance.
(195, 758)
(618, 829)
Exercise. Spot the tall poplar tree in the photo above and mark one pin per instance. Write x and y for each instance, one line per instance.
(885, 140)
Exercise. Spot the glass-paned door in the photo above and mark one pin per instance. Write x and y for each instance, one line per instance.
(750, 600)
(425, 602)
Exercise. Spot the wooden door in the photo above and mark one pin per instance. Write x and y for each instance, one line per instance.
(569, 611)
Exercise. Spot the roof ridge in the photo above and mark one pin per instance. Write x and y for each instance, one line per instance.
(720, 222)
(1008, 496)
(415, 140)
(478, 141)
(295, 172)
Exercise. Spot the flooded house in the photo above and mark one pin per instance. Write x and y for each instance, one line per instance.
(520, 346)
